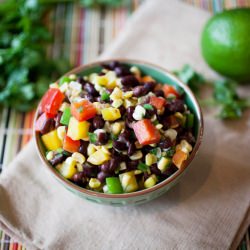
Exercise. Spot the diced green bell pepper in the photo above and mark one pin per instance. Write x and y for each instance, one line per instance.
(63, 80)
(66, 116)
(114, 185)
(105, 96)
(190, 120)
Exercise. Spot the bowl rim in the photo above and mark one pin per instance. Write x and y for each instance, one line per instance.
(158, 186)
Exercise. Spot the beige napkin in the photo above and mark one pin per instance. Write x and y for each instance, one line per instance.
(207, 210)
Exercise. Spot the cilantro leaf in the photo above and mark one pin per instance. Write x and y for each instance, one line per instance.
(92, 137)
(148, 106)
(142, 166)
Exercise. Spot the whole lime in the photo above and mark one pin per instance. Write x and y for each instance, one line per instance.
(225, 43)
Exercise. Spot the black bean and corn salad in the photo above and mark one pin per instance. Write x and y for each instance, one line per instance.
(115, 131)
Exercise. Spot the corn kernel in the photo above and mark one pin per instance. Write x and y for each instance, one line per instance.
(150, 159)
(127, 94)
(159, 126)
(94, 183)
(136, 156)
(111, 114)
(72, 77)
(116, 128)
(186, 146)
(116, 94)
(98, 157)
(163, 164)
(64, 87)
(136, 71)
(151, 181)
(171, 133)
(129, 102)
(139, 113)
(117, 103)
(123, 166)
(137, 171)
(180, 117)
(111, 76)
(78, 157)
(128, 182)
(91, 149)
(68, 168)
(64, 106)
(49, 155)
(79, 167)
(54, 86)
(101, 80)
(105, 150)
(61, 132)
(92, 77)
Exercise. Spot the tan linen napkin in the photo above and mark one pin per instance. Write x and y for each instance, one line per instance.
(208, 209)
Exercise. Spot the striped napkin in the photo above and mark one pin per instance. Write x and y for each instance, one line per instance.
(209, 209)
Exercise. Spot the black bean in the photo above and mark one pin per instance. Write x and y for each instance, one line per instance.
(83, 147)
(101, 74)
(57, 119)
(132, 165)
(89, 88)
(122, 71)
(170, 170)
(159, 93)
(131, 149)
(155, 170)
(98, 122)
(114, 164)
(47, 126)
(128, 123)
(111, 66)
(102, 138)
(139, 91)
(165, 143)
(151, 112)
(119, 145)
(58, 158)
(129, 81)
(125, 136)
(79, 178)
(122, 110)
(90, 170)
(87, 96)
(130, 111)
(105, 167)
(188, 136)
(81, 80)
(149, 86)
(176, 105)
(101, 176)
(66, 99)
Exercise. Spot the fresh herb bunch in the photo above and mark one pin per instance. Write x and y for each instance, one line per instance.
(224, 93)
(25, 71)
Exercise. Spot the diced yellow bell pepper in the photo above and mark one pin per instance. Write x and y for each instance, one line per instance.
(77, 130)
(128, 182)
(101, 80)
(51, 140)
(111, 114)
(98, 157)
(116, 94)
(68, 168)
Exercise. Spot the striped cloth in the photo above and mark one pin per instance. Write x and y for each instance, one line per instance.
(80, 35)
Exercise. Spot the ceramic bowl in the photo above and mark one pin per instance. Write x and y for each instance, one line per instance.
(163, 76)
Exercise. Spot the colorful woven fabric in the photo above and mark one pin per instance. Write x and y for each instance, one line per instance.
(79, 35)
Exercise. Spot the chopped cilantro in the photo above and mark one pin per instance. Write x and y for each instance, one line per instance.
(148, 106)
(170, 152)
(92, 137)
(105, 96)
(142, 166)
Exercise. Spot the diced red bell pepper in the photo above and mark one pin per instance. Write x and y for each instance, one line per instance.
(83, 110)
(41, 122)
(157, 102)
(52, 101)
(168, 89)
(145, 132)
(70, 145)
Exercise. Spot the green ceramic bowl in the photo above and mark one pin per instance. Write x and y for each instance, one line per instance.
(163, 76)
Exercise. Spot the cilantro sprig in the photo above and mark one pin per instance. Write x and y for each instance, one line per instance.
(224, 93)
